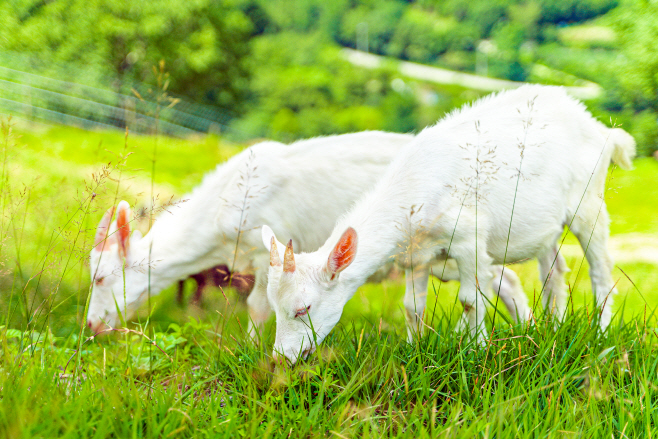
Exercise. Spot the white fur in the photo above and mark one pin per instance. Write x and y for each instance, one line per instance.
(459, 178)
(300, 188)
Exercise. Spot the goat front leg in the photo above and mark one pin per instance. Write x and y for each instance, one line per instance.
(475, 278)
(259, 307)
(180, 294)
(415, 298)
(552, 268)
(507, 286)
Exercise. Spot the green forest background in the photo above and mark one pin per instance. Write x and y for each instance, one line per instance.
(274, 67)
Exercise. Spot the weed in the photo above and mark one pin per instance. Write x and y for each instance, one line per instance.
(178, 376)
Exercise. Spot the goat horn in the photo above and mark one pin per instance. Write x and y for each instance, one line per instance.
(289, 259)
(274, 254)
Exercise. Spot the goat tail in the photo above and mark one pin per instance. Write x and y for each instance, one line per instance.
(623, 148)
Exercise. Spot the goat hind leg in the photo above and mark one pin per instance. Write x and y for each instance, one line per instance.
(552, 268)
(593, 237)
(201, 282)
(415, 298)
(508, 287)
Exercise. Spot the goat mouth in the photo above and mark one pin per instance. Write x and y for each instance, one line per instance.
(292, 360)
(97, 328)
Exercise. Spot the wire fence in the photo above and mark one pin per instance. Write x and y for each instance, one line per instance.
(41, 98)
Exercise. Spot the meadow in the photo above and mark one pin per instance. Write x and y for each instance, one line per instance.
(191, 371)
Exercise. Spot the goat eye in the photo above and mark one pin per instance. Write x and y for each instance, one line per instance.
(302, 312)
(99, 280)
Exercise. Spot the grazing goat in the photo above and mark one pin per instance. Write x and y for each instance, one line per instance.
(301, 189)
(219, 276)
(217, 223)
(492, 183)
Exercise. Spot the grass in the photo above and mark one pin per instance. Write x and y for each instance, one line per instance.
(205, 379)
(525, 383)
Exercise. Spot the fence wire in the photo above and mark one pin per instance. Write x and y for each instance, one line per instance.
(41, 98)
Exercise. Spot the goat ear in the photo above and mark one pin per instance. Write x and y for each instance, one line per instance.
(343, 253)
(267, 235)
(101, 241)
(123, 228)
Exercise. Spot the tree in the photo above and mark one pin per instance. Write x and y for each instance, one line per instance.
(637, 73)
(204, 42)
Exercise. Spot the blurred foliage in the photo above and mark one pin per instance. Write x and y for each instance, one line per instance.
(381, 18)
(509, 37)
(308, 90)
(204, 41)
(635, 84)
(275, 64)
(300, 91)
(423, 36)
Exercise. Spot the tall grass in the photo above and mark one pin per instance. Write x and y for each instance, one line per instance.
(194, 372)
(531, 382)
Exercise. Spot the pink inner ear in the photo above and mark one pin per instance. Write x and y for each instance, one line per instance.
(344, 253)
(123, 229)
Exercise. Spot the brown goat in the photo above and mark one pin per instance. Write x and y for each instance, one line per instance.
(220, 277)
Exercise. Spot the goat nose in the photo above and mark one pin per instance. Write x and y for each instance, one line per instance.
(95, 327)
(282, 359)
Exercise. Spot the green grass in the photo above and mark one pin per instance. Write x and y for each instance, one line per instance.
(525, 383)
(211, 381)
(631, 199)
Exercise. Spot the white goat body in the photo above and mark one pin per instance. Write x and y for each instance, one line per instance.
(284, 183)
(494, 182)
(301, 188)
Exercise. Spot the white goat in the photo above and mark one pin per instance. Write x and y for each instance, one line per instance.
(497, 182)
(302, 188)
